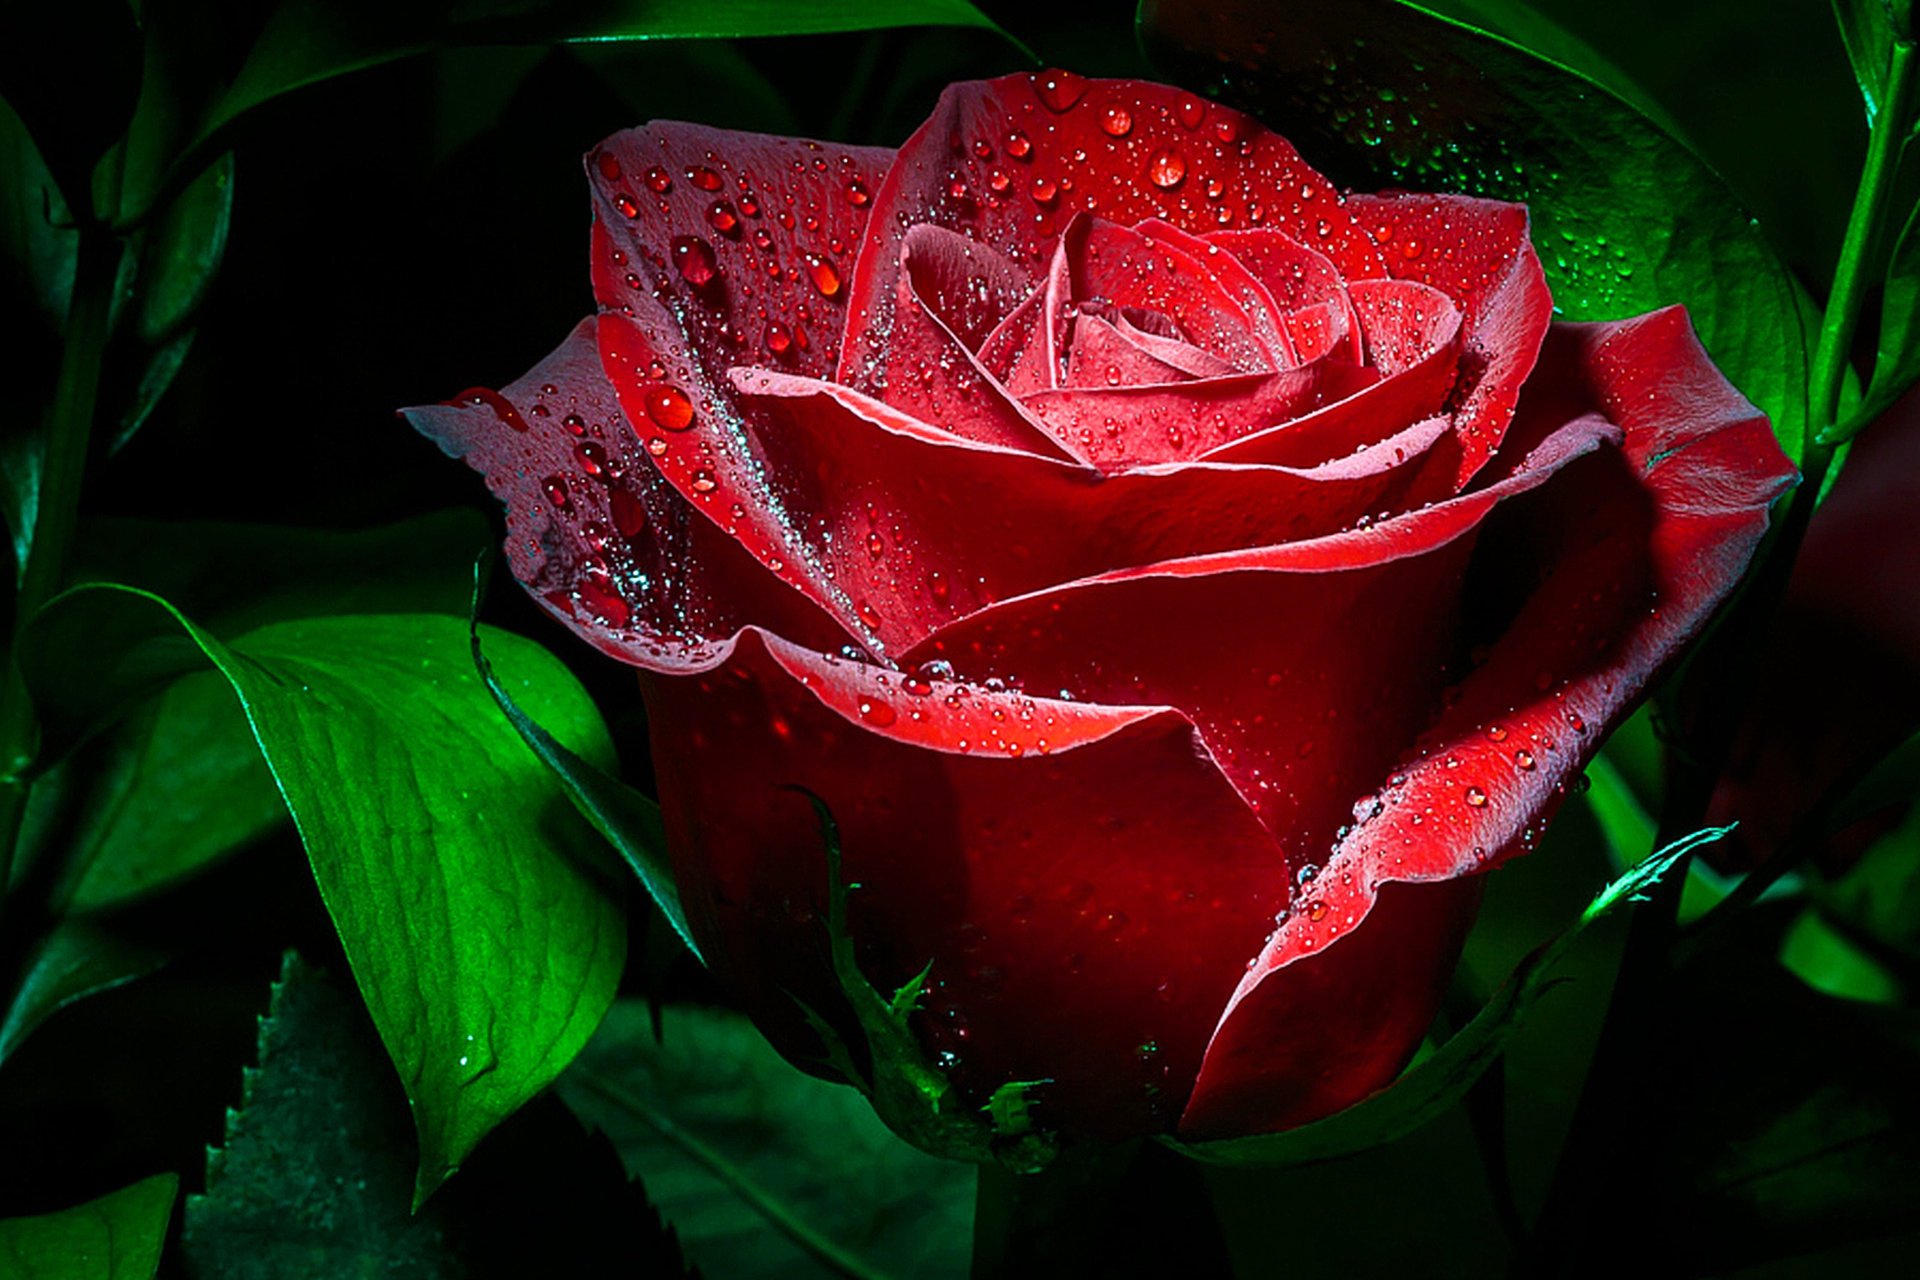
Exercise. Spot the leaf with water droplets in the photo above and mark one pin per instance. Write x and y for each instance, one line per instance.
(116, 1237)
(1626, 217)
(434, 834)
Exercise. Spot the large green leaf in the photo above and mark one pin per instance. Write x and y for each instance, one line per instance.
(116, 1237)
(176, 786)
(1382, 93)
(765, 1171)
(1436, 1082)
(472, 901)
(305, 42)
(75, 959)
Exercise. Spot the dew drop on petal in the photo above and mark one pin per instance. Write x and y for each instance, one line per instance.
(1058, 90)
(825, 278)
(693, 258)
(668, 406)
(1523, 758)
(778, 337)
(1116, 121)
(625, 204)
(876, 712)
(704, 178)
(609, 165)
(1192, 112)
(1476, 797)
(1019, 145)
(1167, 169)
(658, 180)
(704, 482)
(721, 217)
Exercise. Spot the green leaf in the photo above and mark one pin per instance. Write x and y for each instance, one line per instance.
(176, 262)
(1381, 93)
(37, 251)
(473, 902)
(1435, 1083)
(1894, 780)
(628, 820)
(75, 959)
(1868, 28)
(316, 1170)
(314, 1174)
(762, 1169)
(1824, 958)
(116, 1237)
(1896, 363)
(168, 791)
(305, 42)
(1878, 897)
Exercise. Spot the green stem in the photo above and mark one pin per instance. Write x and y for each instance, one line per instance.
(69, 431)
(1853, 279)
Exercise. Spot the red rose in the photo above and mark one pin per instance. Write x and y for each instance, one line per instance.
(1179, 579)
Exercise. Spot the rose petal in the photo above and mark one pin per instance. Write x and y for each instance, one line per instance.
(714, 237)
(1585, 591)
(595, 533)
(1011, 874)
(1307, 287)
(1301, 663)
(1478, 253)
(997, 160)
(952, 293)
(934, 528)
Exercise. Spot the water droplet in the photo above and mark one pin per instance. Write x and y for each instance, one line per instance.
(1497, 732)
(938, 586)
(658, 180)
(556, 491)
(876, 712)
(629, 515)
(693, 257)
(721, 217)
(1167, 169)
(502, 407)
(1523, 758)
(1045, 190)
(1476, 797)
(1192, 112)
(825, 278)
(668, 406)
(1316, 911)
(778, 337)
(857, 194)
(1058, 90)
(1019, 145)
(609, 165)
(704, 178)
(704, 482)
(1117, 121)
(625, 204)
(592, 458)
(1226, 129)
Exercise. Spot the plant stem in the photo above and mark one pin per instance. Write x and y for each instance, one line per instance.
(69, 432)
(1853, 279)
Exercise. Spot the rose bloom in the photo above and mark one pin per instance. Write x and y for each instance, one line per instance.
(1180, 579)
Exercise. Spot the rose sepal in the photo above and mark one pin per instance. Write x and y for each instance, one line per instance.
(908, 1090)
(1440, 1079)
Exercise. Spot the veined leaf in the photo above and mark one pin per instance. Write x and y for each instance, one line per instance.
(76, 959)
(473, 902)
(116, 1237)
(1869, 29)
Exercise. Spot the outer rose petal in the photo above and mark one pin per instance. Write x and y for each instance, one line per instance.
(1605, 575)
(1065, 943)
(596, 534)
(999, 158)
